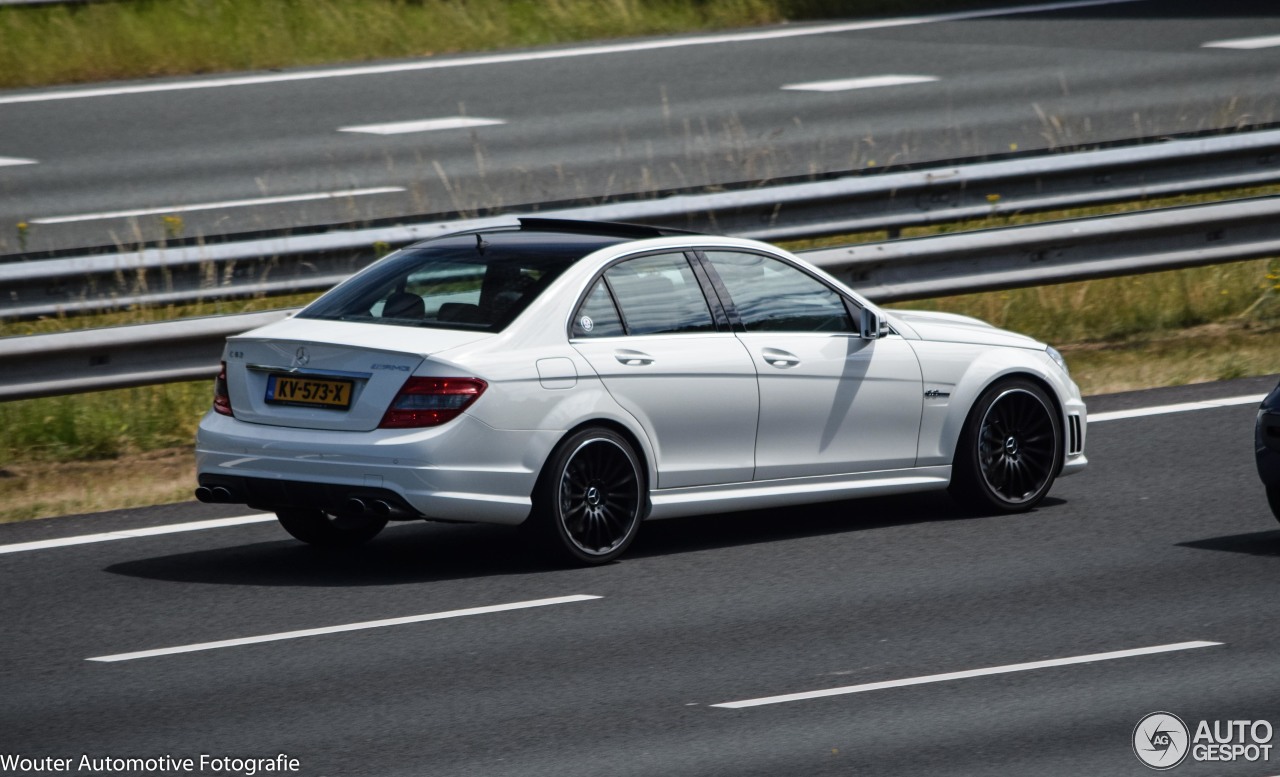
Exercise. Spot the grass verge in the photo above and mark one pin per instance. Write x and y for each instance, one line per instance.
(43, 45)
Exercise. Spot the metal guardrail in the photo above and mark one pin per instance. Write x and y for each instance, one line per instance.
(284, 265)
(1057, 252)
(119, 357)
(70, 362)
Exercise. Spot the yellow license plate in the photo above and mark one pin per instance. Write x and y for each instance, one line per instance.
(309, 392)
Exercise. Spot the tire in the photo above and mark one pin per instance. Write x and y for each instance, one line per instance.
(1010, 449)
(1273, 499)
(324, 530)
(590, 498)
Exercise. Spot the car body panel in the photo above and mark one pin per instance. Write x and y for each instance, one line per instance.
(834, 403)
(680, 387)
(377, 366)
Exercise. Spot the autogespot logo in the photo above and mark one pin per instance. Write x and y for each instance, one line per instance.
(1160, 740)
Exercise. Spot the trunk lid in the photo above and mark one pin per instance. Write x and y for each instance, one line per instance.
(333, 375)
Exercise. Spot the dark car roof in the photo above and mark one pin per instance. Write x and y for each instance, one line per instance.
(514, 242)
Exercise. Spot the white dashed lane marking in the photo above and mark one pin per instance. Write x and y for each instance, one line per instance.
(432, 616)
(940, 678)
(1183, 407)
(422, 125)
(150, 531)
(259, 201)
(868, 82)
(1264, 42)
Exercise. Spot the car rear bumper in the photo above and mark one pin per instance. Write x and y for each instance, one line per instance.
(464, 470)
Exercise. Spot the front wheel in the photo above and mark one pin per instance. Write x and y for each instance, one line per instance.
(324, 530)
(1010, 449)
(590, 498)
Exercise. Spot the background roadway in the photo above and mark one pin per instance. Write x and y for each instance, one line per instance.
(1165, 538)
(621, 122)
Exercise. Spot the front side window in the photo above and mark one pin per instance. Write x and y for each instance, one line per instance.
(659, 295)
(773, 296)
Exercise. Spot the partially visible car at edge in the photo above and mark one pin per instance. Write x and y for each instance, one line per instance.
(578, 378)
(1266, 445)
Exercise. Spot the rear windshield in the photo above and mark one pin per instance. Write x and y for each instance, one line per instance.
(454, 283)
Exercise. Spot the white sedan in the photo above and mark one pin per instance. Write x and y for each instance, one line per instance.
(578, 378)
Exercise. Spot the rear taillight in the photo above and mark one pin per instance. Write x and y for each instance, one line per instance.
(221, 399)
(431, 401)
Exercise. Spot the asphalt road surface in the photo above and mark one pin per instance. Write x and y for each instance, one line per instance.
(106, 164)
(1156, 563)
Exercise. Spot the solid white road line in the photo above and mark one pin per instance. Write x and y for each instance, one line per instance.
(1265, 42)
(6, 161)
(173, 528)
(123, 214)
(1116, 415)
(868, 82)
(422, 125)
(939, 678)
(1208, 404)
(533, 56)
(434, 616)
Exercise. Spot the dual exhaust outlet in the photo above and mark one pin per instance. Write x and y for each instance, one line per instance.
(214, 495)
(353, 506)
(377, 507)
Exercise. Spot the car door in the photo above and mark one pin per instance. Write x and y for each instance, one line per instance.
(649, 332)
(831, 402)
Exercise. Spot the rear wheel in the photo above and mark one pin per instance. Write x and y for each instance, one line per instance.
(1010, 449)
(325, 530)
(590, 498)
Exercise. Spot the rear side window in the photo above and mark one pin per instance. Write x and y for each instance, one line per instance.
(454, 283)
(773, 296)
(659, 295)
(598, 317)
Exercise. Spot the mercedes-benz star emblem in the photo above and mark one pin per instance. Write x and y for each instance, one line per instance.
(301, 357)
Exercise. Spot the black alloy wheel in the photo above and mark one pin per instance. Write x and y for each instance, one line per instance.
(326, 530)
(590, 499)
(1010, 450)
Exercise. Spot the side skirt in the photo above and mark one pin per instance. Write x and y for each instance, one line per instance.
(699, 500)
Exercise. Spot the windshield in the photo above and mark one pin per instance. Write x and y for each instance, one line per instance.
(457, 282)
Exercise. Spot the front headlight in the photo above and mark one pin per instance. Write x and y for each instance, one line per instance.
(1057, 358)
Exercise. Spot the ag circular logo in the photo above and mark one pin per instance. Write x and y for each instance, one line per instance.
(587, 324)
(1160, 740)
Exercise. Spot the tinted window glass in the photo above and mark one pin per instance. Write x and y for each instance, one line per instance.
(659, 295)
(597, 317)
(456, 282)
(773, 296)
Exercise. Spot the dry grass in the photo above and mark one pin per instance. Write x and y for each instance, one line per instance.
(38, 489)
(1199, 355)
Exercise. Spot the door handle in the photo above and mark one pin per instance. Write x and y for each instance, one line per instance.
(633, 358)
(780, 358)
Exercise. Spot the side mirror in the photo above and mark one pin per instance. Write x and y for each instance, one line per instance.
(872, 326)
